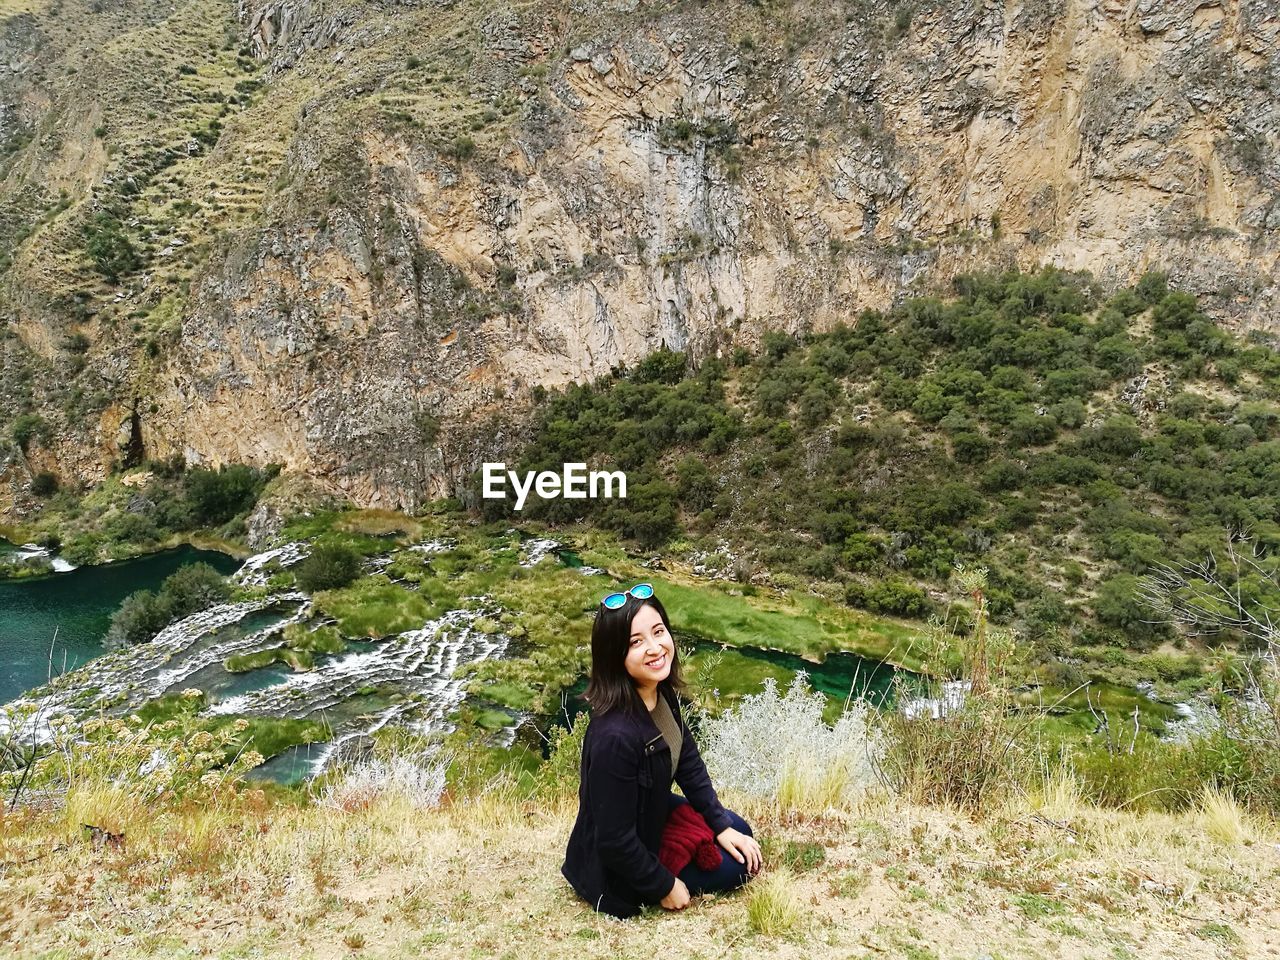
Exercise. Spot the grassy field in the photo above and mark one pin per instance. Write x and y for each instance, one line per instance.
(479, 877)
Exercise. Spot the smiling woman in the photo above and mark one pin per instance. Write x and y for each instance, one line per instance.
(634, 841)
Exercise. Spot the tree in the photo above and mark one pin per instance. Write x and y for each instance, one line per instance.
(697, 487)
(26, 427)
(648, 513)
(110, 248)
(218, 495)
(141, 616)
(329, 567)
(44, 484)
(194, 587)
(1119, 605)
(661, 366)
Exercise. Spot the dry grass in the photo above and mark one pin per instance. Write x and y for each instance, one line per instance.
(480, 877)
(773, 905)
(1224, 820)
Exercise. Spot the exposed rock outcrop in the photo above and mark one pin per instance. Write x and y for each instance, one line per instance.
(469, 201)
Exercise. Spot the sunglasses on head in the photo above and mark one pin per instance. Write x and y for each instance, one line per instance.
(641, 591)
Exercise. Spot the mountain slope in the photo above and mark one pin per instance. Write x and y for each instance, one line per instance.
(337, 235)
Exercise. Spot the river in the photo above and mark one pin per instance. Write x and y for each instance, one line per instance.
(78, 606)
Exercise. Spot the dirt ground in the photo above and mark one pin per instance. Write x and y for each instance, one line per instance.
(482, 880)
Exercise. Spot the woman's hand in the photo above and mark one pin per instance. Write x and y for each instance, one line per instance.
(743, 848)
(678, 898)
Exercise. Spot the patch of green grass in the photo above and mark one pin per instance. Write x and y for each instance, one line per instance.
(376, 607)
(848, 884)
(800, 857)
(1035, 906)
(325, 639)
(244, 662)
(267, 735)
(272, 735)
(167, 707)
(1219, 933)
(1067, 929)
(808, 626)
(915, 951)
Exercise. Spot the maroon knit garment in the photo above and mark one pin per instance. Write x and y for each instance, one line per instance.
(687, 837)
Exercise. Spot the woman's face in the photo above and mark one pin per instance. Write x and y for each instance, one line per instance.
(650, 648)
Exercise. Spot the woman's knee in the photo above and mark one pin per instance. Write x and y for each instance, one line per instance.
(728, 876)
(739, 824)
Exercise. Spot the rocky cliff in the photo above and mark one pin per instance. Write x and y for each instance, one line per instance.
(351, 237)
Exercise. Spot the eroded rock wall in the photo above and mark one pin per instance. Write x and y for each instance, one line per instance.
(473, 200)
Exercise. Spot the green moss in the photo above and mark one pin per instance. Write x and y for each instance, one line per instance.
(327, 639)
(244, 662)
(376, 607)
(272, 735)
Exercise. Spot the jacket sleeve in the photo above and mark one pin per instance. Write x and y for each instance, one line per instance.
(614, 788)
(691, 774)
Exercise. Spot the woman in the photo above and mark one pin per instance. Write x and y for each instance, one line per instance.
(635, 744)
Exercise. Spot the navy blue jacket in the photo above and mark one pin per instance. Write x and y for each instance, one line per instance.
(612, 857)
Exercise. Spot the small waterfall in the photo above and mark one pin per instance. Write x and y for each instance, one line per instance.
(419, 665)
(954, 693)
(536, 550)
(251, 572)
(30, 550)
(123, 680)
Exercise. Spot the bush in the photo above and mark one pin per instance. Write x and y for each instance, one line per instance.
(959, 743)
(861, 551)
(44, 484)
(216, 496)
(194, 587)
(558, 778)
(889, 596)
(695, 485)
(661, 366)
(109, 247)
(463, 148)
(187, 590)
(27, 427)
(124, 777)
(1119, 605)
(648, 514)
(140, 617)
(779, 749)
(329, 567)
(407, 778)
(1147, 774)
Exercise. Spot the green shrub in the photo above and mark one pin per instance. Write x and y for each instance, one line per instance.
(889, 596)
(975, 750)
(44, 484)
(140, 617)
(329, 567)
(194, 587)
(216, 496)
(27, 427)
(187, 590)
(463, 148)
(109, 247)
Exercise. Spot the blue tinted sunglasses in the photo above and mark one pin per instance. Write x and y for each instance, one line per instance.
(641, 591)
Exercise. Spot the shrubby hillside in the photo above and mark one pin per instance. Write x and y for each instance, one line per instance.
(337, 235)
(1066, 439)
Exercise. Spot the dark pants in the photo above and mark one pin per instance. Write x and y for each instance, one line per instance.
(728, 875)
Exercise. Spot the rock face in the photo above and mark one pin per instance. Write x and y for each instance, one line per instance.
(442, 205)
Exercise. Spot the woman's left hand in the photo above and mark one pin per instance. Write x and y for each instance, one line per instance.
(743, 848)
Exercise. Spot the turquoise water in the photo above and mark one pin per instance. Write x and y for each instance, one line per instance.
(78, 605)
(838, 676)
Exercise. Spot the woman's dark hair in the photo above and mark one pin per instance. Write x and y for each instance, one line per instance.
(610, 685)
